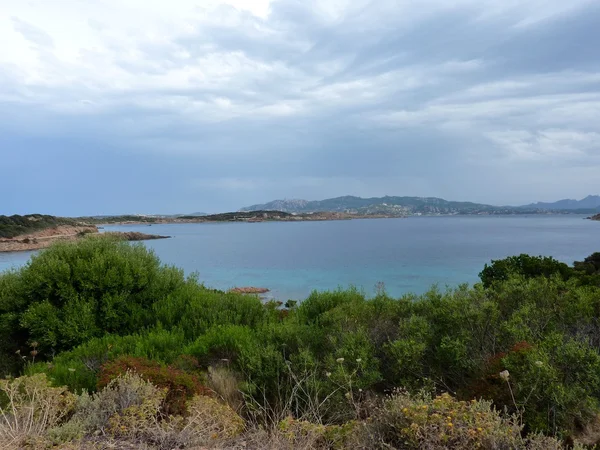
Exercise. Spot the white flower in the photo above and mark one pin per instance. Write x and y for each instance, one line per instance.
(340, 360)
(327, 374)
(504, 375)
(347, 394)
(71, 370)
(539, 363)
(359, 360)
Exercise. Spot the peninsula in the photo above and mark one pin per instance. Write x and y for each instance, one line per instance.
(37, 231)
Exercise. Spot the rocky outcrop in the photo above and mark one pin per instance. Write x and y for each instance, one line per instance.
(596, 217)
(135, 236)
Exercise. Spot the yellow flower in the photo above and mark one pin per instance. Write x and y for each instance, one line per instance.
(449, 424)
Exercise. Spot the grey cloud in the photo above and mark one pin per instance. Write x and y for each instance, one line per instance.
(32, 33)
(380, 101)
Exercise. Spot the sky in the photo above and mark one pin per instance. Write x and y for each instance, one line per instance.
(147, 106)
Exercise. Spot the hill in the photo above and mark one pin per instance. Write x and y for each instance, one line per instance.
(591, 202)
(239, 216)
(398, 206)
(12, 226)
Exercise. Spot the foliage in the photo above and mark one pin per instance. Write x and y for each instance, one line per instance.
(524, 265)
(317, 435)
(127, 404)
(180, 386)
(71, 293)
(213, 419)
(323, 361)
(29, 407)
(423, 422)
(194, 309)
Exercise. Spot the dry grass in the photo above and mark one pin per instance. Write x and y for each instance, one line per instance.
(126, 415)
(32, 407)
(226, 385)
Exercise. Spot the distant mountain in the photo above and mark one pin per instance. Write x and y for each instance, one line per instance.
(591, 202)
(398, 206)
(293, 205)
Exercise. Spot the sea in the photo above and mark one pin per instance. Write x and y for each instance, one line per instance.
(406, 255)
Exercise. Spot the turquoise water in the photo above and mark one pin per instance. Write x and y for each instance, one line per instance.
(407, 255)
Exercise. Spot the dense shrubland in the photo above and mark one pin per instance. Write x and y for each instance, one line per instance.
(512, 362)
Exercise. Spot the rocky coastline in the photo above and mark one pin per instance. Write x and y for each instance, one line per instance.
(45, 238)
(596, 217)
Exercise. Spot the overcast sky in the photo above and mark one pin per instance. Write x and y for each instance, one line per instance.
(151, 106)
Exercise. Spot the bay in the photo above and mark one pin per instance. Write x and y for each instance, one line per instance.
(406, 255)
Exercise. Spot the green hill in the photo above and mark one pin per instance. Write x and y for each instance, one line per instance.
(388, 205)
(12, 226)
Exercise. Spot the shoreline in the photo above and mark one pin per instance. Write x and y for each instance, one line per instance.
(65, 233)
(316, 217)
(313, 217)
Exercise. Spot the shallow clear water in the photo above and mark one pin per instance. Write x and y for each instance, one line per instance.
(407, 255)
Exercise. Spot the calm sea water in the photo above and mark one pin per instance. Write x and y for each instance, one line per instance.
(407, 255)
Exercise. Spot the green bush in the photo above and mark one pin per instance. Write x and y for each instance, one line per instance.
(194, 309)
(79, 368)
(524, 265)
(73, 292)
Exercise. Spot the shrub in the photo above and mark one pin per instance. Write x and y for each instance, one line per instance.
(423, 422)
(195, 309)
(30, 407)
(126, 406)
(316, 436)
(73, 292)
(523, 265)
(556, 385)
(207, 418)
(180, 386)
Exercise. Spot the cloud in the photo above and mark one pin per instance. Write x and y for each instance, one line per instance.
(32, 34)
(306, 98)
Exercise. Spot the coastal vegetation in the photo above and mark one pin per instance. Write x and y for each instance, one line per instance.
(106, 345)
(15, 225)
